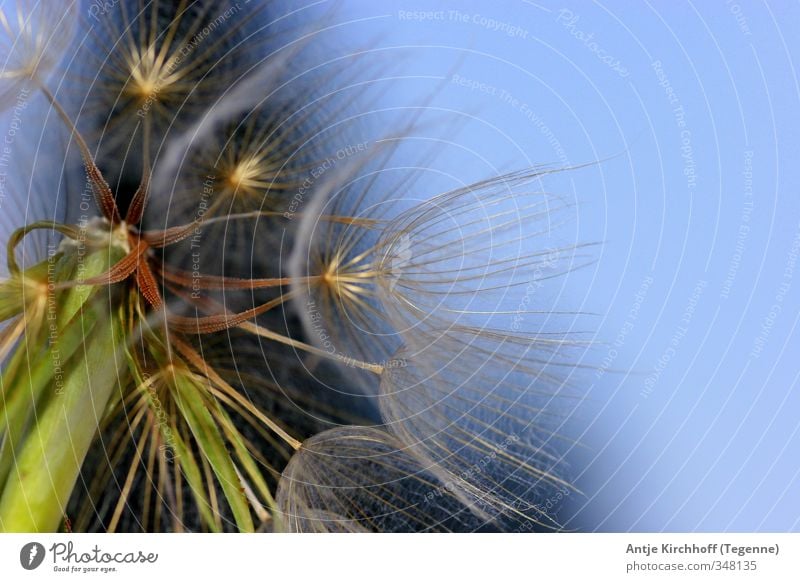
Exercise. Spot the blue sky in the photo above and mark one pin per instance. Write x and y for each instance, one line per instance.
(690, 421)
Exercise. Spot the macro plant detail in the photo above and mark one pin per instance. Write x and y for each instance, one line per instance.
(255, 325)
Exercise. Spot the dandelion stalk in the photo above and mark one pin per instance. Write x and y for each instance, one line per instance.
(106, 343)
(47, 460)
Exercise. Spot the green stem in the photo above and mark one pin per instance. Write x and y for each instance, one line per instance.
(45, 370)
(66, 404)
(35, 496)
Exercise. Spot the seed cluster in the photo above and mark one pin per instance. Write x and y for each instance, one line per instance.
(263, 330)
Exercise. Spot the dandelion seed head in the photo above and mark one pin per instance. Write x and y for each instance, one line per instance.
(402, 404)
(487, 416)
(244, 175)
(34, 35)
(152, 69)
(151, 76)
(361, 479)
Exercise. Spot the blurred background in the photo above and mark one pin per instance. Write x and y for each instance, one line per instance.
(684, 117)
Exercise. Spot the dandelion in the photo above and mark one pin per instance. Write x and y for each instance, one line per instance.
(145, 69)
(447, 265)
(35, 34)
(141, 383)
(423, 289)
(271, 334)
(246, 158)
(361, 479)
